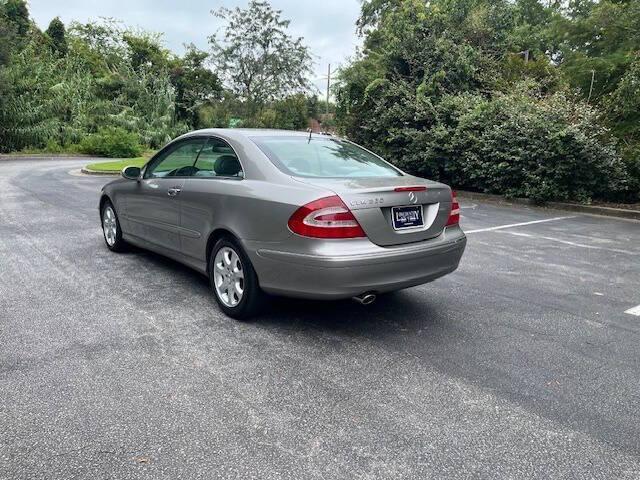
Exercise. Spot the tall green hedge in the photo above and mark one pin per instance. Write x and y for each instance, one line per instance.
(476, 93)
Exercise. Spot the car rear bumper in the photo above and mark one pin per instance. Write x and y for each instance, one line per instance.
(341, 272)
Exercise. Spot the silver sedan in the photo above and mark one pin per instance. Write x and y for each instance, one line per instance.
(286, 213)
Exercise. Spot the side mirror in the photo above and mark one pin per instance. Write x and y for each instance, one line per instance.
(131, 173)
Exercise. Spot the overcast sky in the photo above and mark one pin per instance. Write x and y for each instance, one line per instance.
(328, 26)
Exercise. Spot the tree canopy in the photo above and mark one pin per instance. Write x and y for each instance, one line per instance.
(57, 34)
(89, 85)
(531, 98)
(525, 98)
(256, 56)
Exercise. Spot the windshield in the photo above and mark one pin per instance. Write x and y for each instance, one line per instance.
(323, 157)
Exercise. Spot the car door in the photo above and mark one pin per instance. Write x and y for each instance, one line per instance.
(153, 207)
(214, 184)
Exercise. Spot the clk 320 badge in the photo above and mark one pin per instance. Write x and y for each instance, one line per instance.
(370, 201)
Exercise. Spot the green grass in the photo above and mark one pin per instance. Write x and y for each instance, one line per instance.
(117, 165)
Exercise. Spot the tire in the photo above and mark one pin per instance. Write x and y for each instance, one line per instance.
(111, 230)
(234, 281)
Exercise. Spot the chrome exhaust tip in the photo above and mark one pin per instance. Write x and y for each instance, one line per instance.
(365, 298)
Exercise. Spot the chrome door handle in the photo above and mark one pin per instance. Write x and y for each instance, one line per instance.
(174, 191)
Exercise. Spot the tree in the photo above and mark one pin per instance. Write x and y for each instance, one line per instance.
(195, 84)
(256, 57)
(372, 11)
(7, 35)
(14, 27)
(17, 13)
(146, 51)
(594, 43)
(312, 106)
(623, 110)
(443, 90)
(54, 101)
(58, 36)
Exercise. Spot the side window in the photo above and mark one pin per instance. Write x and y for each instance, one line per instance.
(217, 159)
(178, 161)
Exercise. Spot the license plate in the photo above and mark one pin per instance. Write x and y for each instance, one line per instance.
(407, 217)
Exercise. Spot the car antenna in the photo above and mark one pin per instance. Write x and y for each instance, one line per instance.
(309, 141)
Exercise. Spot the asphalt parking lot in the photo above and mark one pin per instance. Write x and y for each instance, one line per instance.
(522, 364)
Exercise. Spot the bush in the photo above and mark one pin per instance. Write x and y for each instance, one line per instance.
(54, 147)
(521, 144)
(544, 149)
(631, 158)
(112, 142)
(441, 90)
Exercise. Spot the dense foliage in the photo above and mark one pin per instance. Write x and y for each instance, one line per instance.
(115, 142)
(531, 98)
(59, 86)
(106, 89)
(522, 97)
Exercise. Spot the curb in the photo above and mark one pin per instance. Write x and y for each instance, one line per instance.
(571, 207)
(105, 174)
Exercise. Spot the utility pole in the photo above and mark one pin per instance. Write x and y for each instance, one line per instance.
(593, 77)
(328, 88)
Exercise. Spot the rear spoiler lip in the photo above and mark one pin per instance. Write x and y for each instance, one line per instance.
(416, 188)
(342, 186)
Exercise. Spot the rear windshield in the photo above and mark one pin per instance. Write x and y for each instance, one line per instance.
(323, 157)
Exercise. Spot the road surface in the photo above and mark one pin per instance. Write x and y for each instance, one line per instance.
(522, 364)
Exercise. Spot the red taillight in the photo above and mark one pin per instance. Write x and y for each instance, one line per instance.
(454, 216)
(325, 218)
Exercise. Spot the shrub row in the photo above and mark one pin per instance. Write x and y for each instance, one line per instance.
(518, 144)
(112, 142)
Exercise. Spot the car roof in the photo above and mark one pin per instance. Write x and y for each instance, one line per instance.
(243, 133)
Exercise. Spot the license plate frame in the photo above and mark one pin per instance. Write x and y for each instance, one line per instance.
(408, 223)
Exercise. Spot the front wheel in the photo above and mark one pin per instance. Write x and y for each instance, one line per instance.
(233, 280)
(111, 229)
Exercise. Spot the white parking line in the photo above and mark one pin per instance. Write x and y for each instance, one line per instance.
(502, 227)
(634, 311)
(573, 244)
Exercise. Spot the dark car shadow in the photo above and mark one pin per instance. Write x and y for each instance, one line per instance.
(402, 313)
(397, 314)
(177, 269)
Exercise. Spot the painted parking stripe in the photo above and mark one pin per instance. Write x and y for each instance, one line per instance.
(502, 227)
(573, 244)
(634, 311)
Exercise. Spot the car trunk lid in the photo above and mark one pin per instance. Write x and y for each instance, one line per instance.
(372, 201)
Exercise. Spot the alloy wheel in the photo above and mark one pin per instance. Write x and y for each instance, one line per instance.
(228, 277)
(110, 226)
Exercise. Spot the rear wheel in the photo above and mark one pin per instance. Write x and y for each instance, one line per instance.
(111, 228)
(233, 280)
